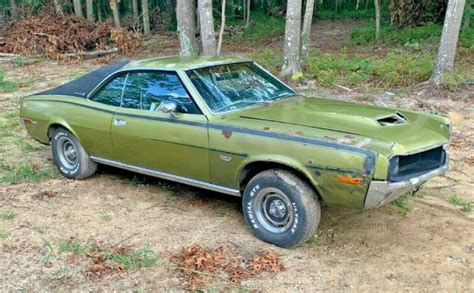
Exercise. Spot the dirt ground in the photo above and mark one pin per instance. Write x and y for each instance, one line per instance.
(422, 243)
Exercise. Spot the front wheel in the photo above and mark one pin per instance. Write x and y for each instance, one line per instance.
(280, 208)
(69, 156)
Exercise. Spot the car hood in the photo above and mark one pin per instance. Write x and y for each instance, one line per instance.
(404, 130)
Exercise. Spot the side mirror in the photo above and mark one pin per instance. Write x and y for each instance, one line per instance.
(168, 107)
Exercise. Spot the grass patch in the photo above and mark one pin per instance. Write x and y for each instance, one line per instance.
(270, 59)
(401, 202)
(5, 85)
(105, 217)
(9, 124)
(27, 147)
(4, 234)
(24, 172)
(73, 246)
(466, 206)
(135, 259)
(7, 215)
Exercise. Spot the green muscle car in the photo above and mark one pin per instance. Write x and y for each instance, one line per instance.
(227, 125)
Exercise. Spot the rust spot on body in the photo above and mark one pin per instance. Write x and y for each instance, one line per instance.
(226, 133)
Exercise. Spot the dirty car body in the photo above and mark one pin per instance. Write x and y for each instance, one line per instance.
(216, 122)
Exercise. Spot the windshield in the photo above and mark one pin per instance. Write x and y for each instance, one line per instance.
(235, 86)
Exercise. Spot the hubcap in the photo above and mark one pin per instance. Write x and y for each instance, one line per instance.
(277, 208)
(67, 153)
(274, 210)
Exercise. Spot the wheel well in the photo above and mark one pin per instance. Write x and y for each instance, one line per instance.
(53, 127)
(254, 168)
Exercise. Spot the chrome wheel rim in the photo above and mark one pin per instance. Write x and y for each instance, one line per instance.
(67, 153)
(274, 210)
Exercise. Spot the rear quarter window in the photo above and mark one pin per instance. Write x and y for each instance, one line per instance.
(111, 92)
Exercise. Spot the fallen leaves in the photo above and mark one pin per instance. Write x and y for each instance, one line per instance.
(200, 266)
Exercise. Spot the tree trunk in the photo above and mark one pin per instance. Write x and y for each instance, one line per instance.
(306, 32)
(135, 8)
(99, 10)
(357, 4)
(186, 27)
(377, 21)
(291, 45)
(78, 8)
(247, 16)
(115, 12)
(89, 10)
(146, 17)
(221, 32)
(58, 8)
(366, 4)
(206, 19)
(449, 40)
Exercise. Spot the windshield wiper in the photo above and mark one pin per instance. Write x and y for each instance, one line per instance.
(282, 95)
(243, 101)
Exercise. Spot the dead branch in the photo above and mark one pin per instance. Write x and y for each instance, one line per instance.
(93, 54)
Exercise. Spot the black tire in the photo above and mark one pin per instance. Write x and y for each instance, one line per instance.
(69, 156)
(280, 208)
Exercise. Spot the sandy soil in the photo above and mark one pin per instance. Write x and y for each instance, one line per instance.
(426, 246)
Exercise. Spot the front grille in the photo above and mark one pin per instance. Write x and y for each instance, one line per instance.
(409, 166)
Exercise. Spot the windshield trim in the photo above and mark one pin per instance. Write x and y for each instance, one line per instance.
(293, 92)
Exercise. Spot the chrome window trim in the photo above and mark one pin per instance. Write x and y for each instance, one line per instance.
(167, 176)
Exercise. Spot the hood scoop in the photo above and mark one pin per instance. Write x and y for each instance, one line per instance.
(398, 118)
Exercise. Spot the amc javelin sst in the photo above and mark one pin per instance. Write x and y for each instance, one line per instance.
(227, 125)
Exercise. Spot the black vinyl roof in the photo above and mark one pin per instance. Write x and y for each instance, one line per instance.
(82, 86)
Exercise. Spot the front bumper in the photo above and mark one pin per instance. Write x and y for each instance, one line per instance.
(382, 192)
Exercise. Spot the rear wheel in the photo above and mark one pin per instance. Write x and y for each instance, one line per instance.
(281, 208)
(69, 156)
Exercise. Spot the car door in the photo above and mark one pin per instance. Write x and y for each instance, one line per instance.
(93, 123)
(145, 136)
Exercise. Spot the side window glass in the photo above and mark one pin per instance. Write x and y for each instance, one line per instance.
(146, 90)
(111, 93)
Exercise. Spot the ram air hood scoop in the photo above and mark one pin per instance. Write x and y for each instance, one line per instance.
(370, 121)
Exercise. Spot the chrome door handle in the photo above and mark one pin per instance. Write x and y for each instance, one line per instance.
(120, 122)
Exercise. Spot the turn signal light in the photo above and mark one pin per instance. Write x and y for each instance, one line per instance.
(349, 180)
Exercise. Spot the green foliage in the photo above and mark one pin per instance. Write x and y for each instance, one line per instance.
(142, 258)
(263, 27)
(73, 246)
(430, 32)
(7, 215)
(345, 14)
(395, 69)
(466, 37)
(24, 172)
(5, 85)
